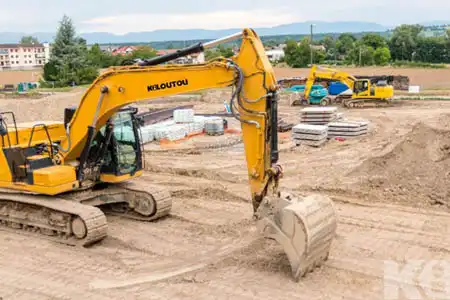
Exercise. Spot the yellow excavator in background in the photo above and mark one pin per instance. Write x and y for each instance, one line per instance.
(54, 176)
(363, 90)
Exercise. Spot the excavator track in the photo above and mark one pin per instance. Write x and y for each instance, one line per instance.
(135, 200)
(361, 103)
(55, 219)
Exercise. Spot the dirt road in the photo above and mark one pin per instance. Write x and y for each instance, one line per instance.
(208, 247)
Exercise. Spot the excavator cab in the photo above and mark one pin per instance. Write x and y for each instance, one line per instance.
(361, 87)
(117, 147)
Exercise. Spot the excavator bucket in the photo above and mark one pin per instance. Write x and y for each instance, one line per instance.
(303, 226)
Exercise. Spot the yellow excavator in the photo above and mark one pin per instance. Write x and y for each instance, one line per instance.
(54, 176)
(363, 90)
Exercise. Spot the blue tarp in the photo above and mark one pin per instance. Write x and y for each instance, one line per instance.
(336, 88)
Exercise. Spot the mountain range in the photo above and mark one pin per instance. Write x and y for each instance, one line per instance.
(204, 34)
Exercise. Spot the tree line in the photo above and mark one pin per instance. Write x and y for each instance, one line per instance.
(405, 44)
(72, 63)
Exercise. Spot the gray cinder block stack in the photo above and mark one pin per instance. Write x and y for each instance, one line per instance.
(318, 115)
(348, 128)
(214, 126)
(310, 135)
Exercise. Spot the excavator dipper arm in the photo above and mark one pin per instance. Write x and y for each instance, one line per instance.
(304, 227)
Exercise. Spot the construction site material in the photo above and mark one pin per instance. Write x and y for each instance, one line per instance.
(283, 126)
(318, 115)
(347, 128)
(214, 126)
(310, 135)
(398, 82)
(159, 115)
(183, 115)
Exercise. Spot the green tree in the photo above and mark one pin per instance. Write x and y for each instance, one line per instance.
(96, 56)
(319, 56)
(69, 60)
(299, 55)
(345, 43)
(211, 54)
(374, 40)
(382, 56)
(404, 41)
(220, 51)
(226, 52)
(361, 55)
(432, 50)
(328, 42)
(143, 52)
(330, 45)
(28, 39)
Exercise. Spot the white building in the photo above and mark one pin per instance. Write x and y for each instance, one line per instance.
(275, 54)
(24, 56)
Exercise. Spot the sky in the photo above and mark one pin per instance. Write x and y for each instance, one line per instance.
(119, 16)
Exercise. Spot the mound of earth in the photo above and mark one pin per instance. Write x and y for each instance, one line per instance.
(416, 171)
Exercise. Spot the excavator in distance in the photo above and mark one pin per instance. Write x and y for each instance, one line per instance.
(55, 176)
(363, 90)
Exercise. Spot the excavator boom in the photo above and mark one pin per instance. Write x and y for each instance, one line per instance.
(86, 149)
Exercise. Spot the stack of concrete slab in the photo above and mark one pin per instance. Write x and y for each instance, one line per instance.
(319, 115)
(310, 135)
(348, 128)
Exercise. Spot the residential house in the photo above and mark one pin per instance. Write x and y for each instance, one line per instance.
(275, 54)
(24, 56)
(125, 50)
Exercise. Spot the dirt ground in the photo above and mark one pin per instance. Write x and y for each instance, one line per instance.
(15, 77)
(390, 189)
(429, 79)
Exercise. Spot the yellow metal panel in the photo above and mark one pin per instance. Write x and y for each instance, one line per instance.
(55, 129)
(45, 190)
(55, 175)
(5, 173)
(110, 178)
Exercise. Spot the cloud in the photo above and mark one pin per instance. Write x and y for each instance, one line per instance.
(120, 16)
(207, 20)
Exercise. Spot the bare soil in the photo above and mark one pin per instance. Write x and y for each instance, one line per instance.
(389, 187)
(16, 77)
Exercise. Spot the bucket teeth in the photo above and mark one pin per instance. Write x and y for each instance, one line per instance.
(304, 226)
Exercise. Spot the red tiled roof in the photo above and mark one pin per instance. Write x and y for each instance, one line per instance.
(166, 51)
(123, 50)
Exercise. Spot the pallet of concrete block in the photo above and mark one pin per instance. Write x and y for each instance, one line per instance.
(214, 126)
(147, 134)
(173, 132)
(309, 135)
(348, 128)
(183, 115)
(318, 115)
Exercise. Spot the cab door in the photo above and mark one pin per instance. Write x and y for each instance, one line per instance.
(361, 89)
